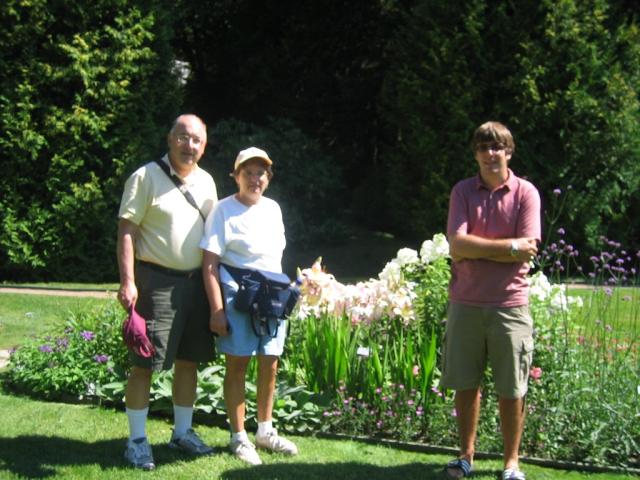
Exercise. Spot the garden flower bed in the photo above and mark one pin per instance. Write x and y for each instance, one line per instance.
(362, 359)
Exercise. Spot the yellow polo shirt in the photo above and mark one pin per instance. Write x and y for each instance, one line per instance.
(169, 228)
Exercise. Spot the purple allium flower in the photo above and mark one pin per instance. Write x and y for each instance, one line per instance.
(45, 348)
(87, 335)
(101, 358)
(561, 231)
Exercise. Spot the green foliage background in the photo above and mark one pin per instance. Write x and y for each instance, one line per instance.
(84, 88)
(367, 108)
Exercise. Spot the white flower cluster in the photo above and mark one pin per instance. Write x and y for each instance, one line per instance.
(553, 295)
(432, 250)
(388, 296)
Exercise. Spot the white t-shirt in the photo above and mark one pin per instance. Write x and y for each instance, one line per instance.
(246, 236)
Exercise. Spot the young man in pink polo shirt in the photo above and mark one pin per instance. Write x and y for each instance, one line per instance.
(493, 229)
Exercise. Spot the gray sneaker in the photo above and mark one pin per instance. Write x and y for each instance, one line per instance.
(191, 443)
(138, 454)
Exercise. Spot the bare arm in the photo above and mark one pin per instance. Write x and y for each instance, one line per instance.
(468, 246)
(128, 292)
(211, 273)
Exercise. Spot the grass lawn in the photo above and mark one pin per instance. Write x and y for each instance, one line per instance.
(112, 287)
(23, 315)
(620, 309)
(55, 440)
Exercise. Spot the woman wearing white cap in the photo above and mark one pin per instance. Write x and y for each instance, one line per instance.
(245, 231)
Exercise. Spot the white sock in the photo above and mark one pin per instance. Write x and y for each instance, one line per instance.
(238, 437)
(264, 428)
(182, 420)
(137, 422)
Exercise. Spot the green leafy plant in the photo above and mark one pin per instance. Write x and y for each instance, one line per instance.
(77, 362)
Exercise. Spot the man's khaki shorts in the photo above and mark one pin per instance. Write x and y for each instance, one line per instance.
(176, 309)
(503, 336)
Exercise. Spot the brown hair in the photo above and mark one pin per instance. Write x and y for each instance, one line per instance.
(493, 132)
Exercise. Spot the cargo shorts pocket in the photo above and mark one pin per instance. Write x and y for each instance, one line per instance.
(526, 359)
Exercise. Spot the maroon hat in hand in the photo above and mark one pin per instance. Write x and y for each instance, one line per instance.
(134, 334)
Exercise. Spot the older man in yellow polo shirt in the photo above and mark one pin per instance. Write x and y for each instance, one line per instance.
(160, 261)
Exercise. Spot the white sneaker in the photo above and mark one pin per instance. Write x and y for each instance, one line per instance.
(272, 441)
(245, 451)
(138, 454)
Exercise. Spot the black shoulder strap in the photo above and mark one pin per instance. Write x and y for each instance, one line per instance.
(181, 186)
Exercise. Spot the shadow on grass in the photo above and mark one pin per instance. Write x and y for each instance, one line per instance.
(346, 471)
(36, 456)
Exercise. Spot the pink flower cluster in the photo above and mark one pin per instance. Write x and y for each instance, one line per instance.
(364, 302)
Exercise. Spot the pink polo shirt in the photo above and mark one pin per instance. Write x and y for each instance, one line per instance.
(509, 211)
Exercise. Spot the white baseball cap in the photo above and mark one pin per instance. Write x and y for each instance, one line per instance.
(248, 154)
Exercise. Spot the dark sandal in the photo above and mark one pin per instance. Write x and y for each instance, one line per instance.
(461, 464)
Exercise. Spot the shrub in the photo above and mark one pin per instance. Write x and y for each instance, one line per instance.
(83, 86)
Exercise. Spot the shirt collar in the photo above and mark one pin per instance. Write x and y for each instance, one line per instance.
(186, 179)
(509, 184)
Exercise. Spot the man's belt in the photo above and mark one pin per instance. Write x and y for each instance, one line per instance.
(169, 271)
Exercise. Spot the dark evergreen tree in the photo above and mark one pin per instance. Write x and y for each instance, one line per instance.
(562, 75)
(85, 94)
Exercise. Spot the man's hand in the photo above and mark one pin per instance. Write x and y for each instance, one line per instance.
(218, 323)
(127, 295)
(527, 249)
